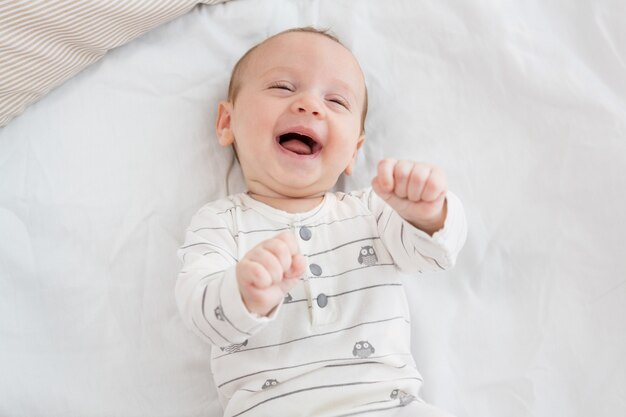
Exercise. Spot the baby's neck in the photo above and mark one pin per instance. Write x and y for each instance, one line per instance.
(289, 204)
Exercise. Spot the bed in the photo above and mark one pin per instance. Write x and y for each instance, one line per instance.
(523, 104)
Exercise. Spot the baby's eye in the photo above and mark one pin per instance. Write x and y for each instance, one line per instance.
(339, 101)
(282, 86)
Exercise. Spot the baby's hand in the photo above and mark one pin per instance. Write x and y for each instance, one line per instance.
(416, 191)
(268, 271)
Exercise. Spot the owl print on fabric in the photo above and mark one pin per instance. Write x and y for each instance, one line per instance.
(363, 349)
(402, 396)
(367, 256)
(269, 384)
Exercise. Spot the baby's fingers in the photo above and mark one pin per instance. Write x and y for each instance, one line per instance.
(417, 181)
(298, 265)
(435, 186)
(290, 240)
(384, 181)
(280, 251)
(402, 174)
(253, 274)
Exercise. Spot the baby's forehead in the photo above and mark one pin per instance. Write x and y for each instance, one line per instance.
(296, 50)
(300, 44)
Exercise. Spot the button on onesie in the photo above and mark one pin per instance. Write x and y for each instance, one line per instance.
(322, 312)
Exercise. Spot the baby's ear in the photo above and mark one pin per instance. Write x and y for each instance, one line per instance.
(359, 143)
(222, 125)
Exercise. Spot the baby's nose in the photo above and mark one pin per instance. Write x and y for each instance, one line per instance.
(308, 105)
(304, 110)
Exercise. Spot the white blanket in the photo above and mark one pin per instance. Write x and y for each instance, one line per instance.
(523, 104)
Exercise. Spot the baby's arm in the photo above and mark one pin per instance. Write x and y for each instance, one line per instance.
(421, 223)
(206, 290)
(416, 191)
(216, 292)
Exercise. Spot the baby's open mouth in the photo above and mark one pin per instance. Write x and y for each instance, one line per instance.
(298, 143)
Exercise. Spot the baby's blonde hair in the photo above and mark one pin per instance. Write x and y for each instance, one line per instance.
(235, 77)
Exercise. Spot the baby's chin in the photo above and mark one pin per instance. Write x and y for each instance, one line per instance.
(296, 189)
(301, 189)
(301, 193)
(289, 199)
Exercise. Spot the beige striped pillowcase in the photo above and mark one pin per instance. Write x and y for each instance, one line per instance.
(45, 42)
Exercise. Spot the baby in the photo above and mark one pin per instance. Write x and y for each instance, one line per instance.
(295, 287)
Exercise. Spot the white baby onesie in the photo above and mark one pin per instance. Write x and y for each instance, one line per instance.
(339, 343)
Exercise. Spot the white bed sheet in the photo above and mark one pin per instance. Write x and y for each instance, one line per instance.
(522, 103)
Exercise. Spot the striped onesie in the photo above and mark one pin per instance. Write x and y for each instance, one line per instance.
(339, 343)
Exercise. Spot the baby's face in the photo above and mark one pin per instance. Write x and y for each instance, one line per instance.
(296, 121)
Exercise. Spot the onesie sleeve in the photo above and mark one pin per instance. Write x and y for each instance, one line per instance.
(412, 249)
(207, 293)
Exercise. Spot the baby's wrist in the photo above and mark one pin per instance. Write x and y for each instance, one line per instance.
(433, 224)
(256, 307)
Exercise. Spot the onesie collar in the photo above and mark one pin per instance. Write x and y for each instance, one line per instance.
(285, 217)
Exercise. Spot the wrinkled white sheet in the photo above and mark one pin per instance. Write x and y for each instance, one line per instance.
(522, 103)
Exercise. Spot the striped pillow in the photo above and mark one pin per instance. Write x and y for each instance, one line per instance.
(45, 42)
